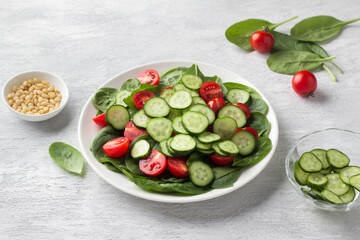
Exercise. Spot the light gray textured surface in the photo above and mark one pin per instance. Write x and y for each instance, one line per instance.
(87, 42)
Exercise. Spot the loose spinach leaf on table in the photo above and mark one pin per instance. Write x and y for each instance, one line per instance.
(318, 28)
(106, 133)
(218, 81)
(259, 122)
(144, 87)
(240, 33)
(131, 85)
(262, 148)
(67, 157)
(253, 93)
(104, 98)
(258, 105)
(225, 176)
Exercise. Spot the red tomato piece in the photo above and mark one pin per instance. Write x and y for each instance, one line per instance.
(249, 129)
(117, 147)
(178, 167)
(131, 131)
(165, 88)
(221, 160)
(210, 90)
(243, 107)
(304, 83)
(154, 164)
(149, 76)
(100, 120)
(262, 41)
(216, 104)
(141, 97)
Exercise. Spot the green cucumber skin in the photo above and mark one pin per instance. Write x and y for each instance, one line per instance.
(108, 118)
(310, 163)
(207, 174)
(333, 156)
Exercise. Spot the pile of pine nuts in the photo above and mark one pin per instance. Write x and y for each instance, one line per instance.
(34, 97)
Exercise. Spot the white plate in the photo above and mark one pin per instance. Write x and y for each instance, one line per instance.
(87, 131)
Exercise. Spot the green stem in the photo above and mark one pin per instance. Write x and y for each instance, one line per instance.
(272, 27)
(342, 23)
(336, 66)
(316, 60)
(330, 72)
(351, 21)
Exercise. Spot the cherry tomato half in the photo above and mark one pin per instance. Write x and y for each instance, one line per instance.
(210, 90)
(149, 76)
(216, 104)
(141, 97)
(221, 160)
(154, 164)
(117, 147)
(178, 167)
(304, 83)
(249, 129)
(164, 89)
(131, 131)
(100, 120)
(262, 41)
(243, 107)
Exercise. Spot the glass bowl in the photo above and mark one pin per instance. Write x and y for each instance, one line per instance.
(346, 141)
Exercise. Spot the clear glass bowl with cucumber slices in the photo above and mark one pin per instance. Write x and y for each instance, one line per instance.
(324, 168)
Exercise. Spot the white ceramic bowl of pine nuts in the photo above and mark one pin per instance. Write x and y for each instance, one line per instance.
(35, 95)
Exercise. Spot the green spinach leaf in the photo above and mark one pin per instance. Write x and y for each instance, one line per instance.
(106, 134)
(258, 105)
(218, 81)
(194, 70)
(67, 157)
(197, 156)
(253, 93)
(225, 176)
(259, 122)
(262, 148)
(172, 77)
(318, 28)
(131, 85)
(111, 167)
(118, 163)
(144, 87)
(104, 98)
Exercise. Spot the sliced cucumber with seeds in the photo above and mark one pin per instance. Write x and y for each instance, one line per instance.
(299, 174)
(198, 100)
(234, 112)
(183, 143)
(347, 172)
(335, 184)
(120, 95)
(174, 113)
(216, 148)
(202, 146)
(200, 173)
(164, 148)
(311, 193)
(225, 127)
(206, 152)
(204, 109)
(179, 87)
(159, 128)
(229, 147)
(326, 171)
(141, 149)
(178, 126)
(140, 119)
(166, 94)
(117, 116)
(208, 137)
(310, 163)
(195, 122)
(321, 155)
(330, 196)
(156, 107)
(355, 181)
(316, 180)
(349, 196)
(337, 159)
(191, 81)
(180, 99)
(238, 96)
(245, 141)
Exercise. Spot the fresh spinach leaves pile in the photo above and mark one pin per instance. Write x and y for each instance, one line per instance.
(224, 176)
(295, 52)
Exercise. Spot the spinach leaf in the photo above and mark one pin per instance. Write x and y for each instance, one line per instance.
(291, 61)
(259, 122)
(131, 85)
(225, 176)
(118, 163)
(253, 93)
(172, 77)
(132, 164)
(318, 28)
(218, 81)
(258, 105)
(67, 157)
(197, 156)
(240, 33)
(98, 113)
(144, 87)
(111, 167)
(104, 98)
(262, 148)
(106, 134)
(194, 70)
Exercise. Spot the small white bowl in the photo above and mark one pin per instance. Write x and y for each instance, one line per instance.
(46, 76)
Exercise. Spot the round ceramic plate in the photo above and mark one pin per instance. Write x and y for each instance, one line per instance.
(87, 131)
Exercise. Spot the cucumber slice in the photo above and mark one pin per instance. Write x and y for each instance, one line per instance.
(326, 171)
(164, 148)
(349, 196)
(337, 159)
(200, 173)
(330, 197)
(347, 172)
(235, 112)
(141, 149)
(208, 137)
(355, 181)
(193, 93)
(335, 184)
(238, 96)
(198, 100)
(216, 148)
(179, 86)
(206, 152)
(225, 127)
(191, 81)
(140, 119)
(159, 128)
(180, 99)
(171, 151)
(117, 116)
(202, 146)
(183, 143)
(204, 109)
(174, 113)
(321, 155)
(310, 163)
(195, 122)
(245, 141)
(178, 126)
(156, 107)
(311, 193)
(316, 180)
(166, 94)
(299, 174)
(120, 95)
(229, 147)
